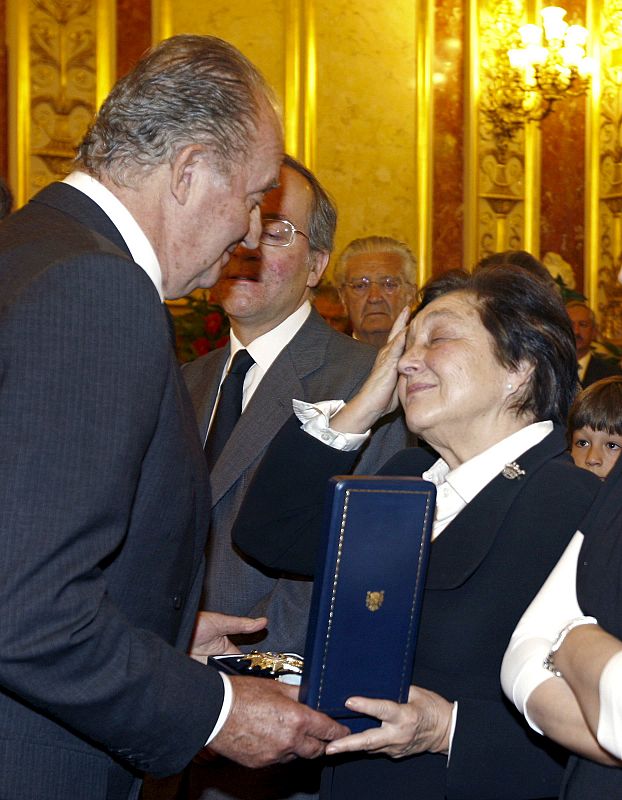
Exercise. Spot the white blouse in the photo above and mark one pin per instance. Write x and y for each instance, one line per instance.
(551, 610)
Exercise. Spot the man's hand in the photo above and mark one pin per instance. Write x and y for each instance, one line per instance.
(211, 632)
(267, 725)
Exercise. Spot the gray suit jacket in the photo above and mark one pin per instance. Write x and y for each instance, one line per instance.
(318, 364)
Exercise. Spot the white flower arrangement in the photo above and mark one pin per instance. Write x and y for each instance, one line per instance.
(560, 270)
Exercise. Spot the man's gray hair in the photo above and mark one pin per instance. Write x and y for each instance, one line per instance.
(323, 216)
(376, 244)
(187, 90)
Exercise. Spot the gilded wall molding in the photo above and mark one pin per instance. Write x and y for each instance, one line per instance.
(424, 50)
(606, 190)
(502, 164)
(471, 126)
(161, 20)
(301, 81)
(60, 67)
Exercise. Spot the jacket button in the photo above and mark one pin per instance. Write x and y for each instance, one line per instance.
(177, 601)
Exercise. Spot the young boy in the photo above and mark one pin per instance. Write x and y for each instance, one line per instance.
(595, 426)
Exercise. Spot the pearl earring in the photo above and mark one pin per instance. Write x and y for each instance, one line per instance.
(510, 387)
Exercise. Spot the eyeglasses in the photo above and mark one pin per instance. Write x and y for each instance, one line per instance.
(278, 232)
(387, 285)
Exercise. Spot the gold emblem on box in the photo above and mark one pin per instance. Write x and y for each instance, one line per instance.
(373, 600)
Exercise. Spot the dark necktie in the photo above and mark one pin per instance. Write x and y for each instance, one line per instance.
(229, 406)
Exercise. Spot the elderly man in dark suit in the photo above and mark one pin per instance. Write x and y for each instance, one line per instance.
(265, 292)
(104, 496)
(591, 367)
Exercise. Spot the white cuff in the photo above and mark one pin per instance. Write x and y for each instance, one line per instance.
(554, 606)
(530, 655)
(316, 422)
(227, 702)
(609, 732)
(452, 728)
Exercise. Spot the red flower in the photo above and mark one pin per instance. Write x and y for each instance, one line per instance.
(201, 346)
(212, 323)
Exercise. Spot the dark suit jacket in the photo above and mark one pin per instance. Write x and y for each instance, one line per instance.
(484, 569)
(599, 592)
(598, 368)
(318, 363)
(103, 516)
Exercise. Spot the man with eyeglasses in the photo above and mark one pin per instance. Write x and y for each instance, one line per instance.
(295, 354)
(376, 276)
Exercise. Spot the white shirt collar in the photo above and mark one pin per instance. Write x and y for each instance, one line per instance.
(583, 364)
(265, 349)
(459, 486)
(137, 243)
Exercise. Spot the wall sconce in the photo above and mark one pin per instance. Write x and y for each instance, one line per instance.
(549, 64)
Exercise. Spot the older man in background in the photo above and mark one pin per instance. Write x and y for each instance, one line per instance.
(376, 276)
(591, 367)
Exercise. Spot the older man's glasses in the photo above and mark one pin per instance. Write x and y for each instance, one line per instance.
(387, 285)
(278, 232)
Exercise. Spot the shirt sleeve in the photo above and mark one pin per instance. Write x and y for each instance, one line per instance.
(315, 418)
(552, 608)
(609, 732)
(227, 702)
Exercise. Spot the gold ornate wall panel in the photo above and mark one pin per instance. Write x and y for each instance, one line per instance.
(607, 188)
(350, 81)
(60, 67)
(258, 30)
(496, 176)
(370, 137)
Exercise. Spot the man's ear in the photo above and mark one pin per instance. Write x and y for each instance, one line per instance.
(318, 261)
(184, 171)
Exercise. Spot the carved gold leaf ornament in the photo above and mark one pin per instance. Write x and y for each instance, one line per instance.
(63, 68)
(373, 600)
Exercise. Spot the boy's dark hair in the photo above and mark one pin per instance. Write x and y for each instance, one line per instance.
(598, 407)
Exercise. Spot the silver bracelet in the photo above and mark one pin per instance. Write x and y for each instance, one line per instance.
(549, 661)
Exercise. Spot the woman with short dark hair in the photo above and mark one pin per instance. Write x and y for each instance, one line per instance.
(487, 372)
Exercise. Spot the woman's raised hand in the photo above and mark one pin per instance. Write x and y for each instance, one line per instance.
(378, 395)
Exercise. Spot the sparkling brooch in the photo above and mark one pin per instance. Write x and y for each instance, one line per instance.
(512, 470)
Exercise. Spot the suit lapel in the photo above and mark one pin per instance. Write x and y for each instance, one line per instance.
(462, 547)
(76, 204)
(271, 405)
(205, 385)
